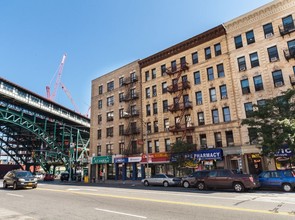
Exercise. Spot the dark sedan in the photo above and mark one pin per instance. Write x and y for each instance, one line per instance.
(194, 178)
(19, 179)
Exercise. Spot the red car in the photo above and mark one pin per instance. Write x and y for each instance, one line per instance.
(48, 177)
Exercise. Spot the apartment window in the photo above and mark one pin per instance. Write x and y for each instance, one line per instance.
(210, 73)
(254, 59)
(220, 70)
(110, 101)
(238, 41)
(121, 113)
(229, 137)
(242, 63)
(147, 93)
(165, 106)
(173, 66)
(154, 89)
(199, 99)
(121, 81)
(245, 86)
(215, 116)
(155, 108)
(250, 37)
(164, 87)
(99, 119)
(98, 150)
(99, 134)
(203, 140)
(99, 104)
(110, 86)
(183, 62)
(110, 116)
(226, 114)
(110, 132)
(163, 70)
(217, 49)
(147, 75)
(121, 148)
(167, 145)
(166, 124)
(197, 77)
(156, 126)
(154, 74)
(223, 91)
(133, 93)
(288, 23)
(149, 127)
(150, 147)
(212, 93)
(294, 70)
(273, 54)
(253, 136)
(121, 130)
(268, 30)
(207, 53)
(261, 102)
(134, 147)
(201, 119)
(278, 78)
(195, 57)
(100, 90)
(248, 109)
(121, 97)
(109, 149)
(148, 110)
(218, 139)
(133, 77)
(258, 83)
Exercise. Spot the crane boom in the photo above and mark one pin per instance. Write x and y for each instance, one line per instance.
(69, 96)
(58, 79)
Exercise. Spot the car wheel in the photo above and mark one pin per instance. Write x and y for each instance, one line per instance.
(287, 187)
(34, 187)
(146, 183)
(186, 184)
(201, 185)
(14, 186)
(165, 184)
(5, 185)
(238, 187)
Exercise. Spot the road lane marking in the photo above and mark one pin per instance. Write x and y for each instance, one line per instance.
(172, 202)
(120, 213)
(16, 195)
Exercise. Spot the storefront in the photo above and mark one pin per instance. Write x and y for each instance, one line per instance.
(284, 158)
(103, 168)
(209, 159)
(157, 163)
(128, 168)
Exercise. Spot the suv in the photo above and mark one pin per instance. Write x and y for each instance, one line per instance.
(64, 176)
(227, 179)
(192, 179)
(19, 179)
(284, 179)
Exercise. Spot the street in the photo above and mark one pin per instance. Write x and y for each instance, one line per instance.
(56, 200)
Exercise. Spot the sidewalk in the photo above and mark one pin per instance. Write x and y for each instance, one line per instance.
(108, 182)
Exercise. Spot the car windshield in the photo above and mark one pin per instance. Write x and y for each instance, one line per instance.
(170, 176)
(24, 174)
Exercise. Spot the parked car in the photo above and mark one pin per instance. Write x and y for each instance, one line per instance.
(162, 179)
(278, 179)
(227, 179)
(48, 177)
(64, 176)
(39, 175)
(19, 179)
(192, 179)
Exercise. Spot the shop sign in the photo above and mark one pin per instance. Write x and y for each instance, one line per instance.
(156, 157)
(101, 159)
(212, 154)
(121, 160)
(255, 156)
(134, 159)
(284, 152)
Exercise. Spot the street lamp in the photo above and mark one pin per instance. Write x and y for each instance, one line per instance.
(146, 142)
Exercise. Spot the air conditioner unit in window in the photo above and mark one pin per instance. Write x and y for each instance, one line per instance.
(224, 97)
(200, 102)
(243, 68)
(268, 35)
(273, 59)
(278, 84)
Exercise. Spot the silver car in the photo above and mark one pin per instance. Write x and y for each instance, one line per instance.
(162, 180)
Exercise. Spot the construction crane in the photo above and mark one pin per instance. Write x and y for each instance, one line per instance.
(58, 79)
(64, 88)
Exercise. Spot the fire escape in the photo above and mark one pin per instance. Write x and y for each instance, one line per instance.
(132, 131)
(181, 104)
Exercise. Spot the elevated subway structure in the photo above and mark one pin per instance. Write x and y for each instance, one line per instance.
(35, 131)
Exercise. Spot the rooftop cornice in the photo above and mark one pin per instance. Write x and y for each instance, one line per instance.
(258, 14)
(185, 45)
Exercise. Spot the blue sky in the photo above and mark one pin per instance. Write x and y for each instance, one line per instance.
(98, 37)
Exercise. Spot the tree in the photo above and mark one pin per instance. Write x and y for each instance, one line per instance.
(180, 152)
(274, 123)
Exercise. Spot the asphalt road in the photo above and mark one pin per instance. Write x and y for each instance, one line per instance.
(110, 201)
